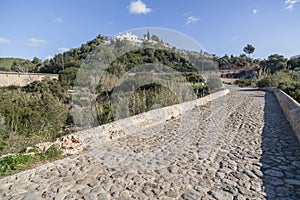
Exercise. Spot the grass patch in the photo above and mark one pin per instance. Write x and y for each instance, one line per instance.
(18, 162)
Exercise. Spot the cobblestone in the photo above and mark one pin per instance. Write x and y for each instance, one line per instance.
(237, 147)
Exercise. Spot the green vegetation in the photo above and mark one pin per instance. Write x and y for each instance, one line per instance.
(7, 63)
(40, 111)
(249, 49)
(274, 63)
(214, 83)
(236, 62)
(31, 114)
(244, 82)
(20, 65)
(278, 71)
(288, 82)
(14, 163)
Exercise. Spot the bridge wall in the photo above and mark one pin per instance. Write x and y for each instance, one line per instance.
(22, 79)
(144, 120)
(290, 107)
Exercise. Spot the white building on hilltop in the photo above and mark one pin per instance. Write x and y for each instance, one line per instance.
(130, 37)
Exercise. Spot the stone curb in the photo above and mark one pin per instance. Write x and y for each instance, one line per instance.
(290, 107)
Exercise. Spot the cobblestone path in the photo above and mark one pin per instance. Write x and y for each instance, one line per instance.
(237, 147)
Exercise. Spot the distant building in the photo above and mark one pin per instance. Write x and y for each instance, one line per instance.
(130, 37)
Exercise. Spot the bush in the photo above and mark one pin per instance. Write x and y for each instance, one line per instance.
(214, 83)
(30, 117)
(243, 83)
(265, 82)
(289, 83)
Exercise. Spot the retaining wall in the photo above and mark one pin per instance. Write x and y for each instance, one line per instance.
(144, 120)
(290, 107)
(22, 79)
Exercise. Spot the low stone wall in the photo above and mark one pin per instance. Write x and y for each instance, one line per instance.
(22, 79)
(290, 107)
(144, 120)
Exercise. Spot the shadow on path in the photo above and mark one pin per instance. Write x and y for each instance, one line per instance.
(281, 154)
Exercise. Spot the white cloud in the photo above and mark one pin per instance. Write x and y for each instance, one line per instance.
(58, 20)
(192, 20)
(63, 49)
(254, 11)
(138, 7)
(35, 42)
(49, 57)
(290, 4)
(4, 40)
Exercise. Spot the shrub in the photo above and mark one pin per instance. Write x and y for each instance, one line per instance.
(243, 82)
(214, 83)
(265, 82)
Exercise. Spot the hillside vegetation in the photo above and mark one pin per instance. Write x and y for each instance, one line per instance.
(6, 64)
(40, 111)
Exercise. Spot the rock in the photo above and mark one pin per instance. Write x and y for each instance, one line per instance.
(229, 182)
(113, 135)
(60, 197)
(293, 181)
(103, 196)
(275, 173)
(79, 182)
(273, 180)
(92, 184)
(83, 191)
(29, 149)
(171, 193)
(255, 187)
(68, 179)
(30, 196)
(70, 144)
(201, 189)
(42, 147)
(239, 197)
(96, 190)
(69, 196)
(296, 164)
(48, 195)
(190, 196)
(140, 196)
(222, 195)
(117, 174)
(89, 197)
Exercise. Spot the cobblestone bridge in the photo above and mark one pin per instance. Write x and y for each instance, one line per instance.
(237, 147)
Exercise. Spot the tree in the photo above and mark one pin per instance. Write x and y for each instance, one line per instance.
(274, 63)
(155, 38)
(249, 49)
(294, 63)
(148, 35)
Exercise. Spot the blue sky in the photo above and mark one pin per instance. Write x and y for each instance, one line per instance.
(44, 28)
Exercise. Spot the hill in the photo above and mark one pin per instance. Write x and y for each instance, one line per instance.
(41, 111)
